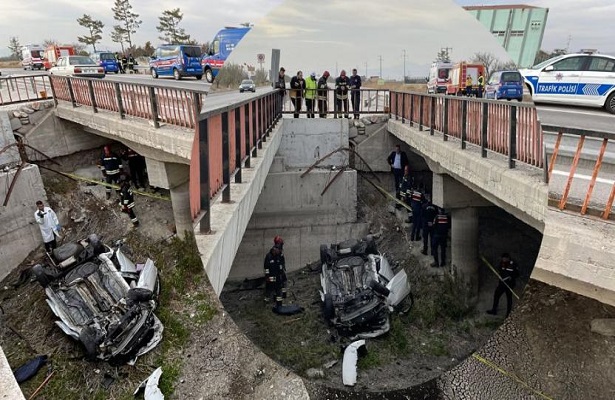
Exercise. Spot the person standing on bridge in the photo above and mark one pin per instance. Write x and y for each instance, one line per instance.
(127, 200)
(439, 237)
(508, 272)
(481, 85)
(49, 225)
(118, 58)
(297, 88)
(111, 167)
(311, 85)
(323, 93)
(398, 160)
(342, 83)
(355, 92)
(469, 85)
(131, 64)
(280, 84)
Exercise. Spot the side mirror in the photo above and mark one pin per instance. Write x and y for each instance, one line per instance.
(548, 68)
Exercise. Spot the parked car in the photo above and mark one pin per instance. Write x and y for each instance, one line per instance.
(505, 85)
(247, 85)
(102, 300)
(359, 288)
(581, 79)
(82, 66)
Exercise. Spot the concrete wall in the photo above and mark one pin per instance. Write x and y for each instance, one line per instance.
(19, 234)
(11, 155)
(9, 389)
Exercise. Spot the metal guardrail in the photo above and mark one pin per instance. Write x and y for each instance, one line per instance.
(225, 141)
(511, 129)
(371, 101)
(562, 200)
(179, 107)
(22, 89)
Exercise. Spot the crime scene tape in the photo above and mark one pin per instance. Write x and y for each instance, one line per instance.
(499, 277)
(112, 186)
(387, 194)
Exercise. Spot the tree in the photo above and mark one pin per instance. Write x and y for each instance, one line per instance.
(15, 47)
(487, 59)
(443, 55)
(205, 47)
(129, 21)
(117, 36)
(94, 26)
(169, 27)
(80, 49)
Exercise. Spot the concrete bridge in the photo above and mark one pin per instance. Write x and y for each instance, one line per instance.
(226, 168)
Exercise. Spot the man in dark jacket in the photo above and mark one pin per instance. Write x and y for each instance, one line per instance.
(508, 274)
(355, 93)
(323, 92)
(111, 168)
(297, 89)
(439, 237)
(342, 84)
(416, 203)
(275, 272)
(428, 214)
(136, 164)
(398, 161)
(281, 85)
(405, 190)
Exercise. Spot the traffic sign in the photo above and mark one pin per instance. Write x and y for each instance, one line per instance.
(260, 57)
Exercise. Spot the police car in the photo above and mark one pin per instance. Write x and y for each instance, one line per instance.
(584, 79)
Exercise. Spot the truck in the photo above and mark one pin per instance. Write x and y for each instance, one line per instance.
(220, 48)
(53, 52)
(458, 76)
(439, 77)
(32, 56)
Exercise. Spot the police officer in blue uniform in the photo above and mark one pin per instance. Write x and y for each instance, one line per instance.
(428, 214)
(416, 203)
(439, 237)
(355, 92)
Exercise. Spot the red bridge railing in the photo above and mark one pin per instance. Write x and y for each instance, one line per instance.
(21, 89)
(511, 129)
(173, 106)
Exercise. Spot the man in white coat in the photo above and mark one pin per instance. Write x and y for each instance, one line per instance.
(47, 220)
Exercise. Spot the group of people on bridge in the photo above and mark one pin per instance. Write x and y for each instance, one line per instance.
(125, 64)
(315, 92)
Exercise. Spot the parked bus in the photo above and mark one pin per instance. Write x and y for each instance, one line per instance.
(32, 56)
(176, 60)
(220, 48)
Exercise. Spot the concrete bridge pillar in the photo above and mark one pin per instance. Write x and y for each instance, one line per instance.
(175, 177)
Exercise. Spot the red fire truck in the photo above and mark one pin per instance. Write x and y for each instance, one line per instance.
(458, 78)
(53, 52)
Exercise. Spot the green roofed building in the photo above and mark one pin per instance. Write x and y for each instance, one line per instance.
(519, 28)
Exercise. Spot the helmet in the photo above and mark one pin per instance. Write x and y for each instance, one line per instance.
(278, 240)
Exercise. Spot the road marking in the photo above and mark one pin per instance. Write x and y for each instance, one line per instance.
(584, 177)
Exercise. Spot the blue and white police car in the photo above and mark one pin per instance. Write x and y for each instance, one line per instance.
(583, 79)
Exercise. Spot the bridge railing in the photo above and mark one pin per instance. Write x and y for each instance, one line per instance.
(173, 106)
(225, 141)
(21, 89)
(578, 192)
(372, 101)
(511, 129)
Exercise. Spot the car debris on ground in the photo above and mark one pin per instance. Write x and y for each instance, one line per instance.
(150, 386)
(349, 364)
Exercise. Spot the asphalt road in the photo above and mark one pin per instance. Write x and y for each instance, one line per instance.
(595, 119)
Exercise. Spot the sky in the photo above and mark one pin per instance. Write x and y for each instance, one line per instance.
(588, 22)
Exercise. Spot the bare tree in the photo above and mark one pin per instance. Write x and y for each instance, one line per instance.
(129, 21)
(487, 59)
(117, 36)
(50, 42)
(15, 47)
(94, 27)
(169, 27)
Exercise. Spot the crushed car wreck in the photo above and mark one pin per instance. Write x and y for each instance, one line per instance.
(102, 300)
(359, 288)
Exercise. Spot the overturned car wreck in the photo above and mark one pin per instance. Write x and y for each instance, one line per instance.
(359, 288)
(102, 299)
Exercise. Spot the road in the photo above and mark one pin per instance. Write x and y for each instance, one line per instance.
(595, 119)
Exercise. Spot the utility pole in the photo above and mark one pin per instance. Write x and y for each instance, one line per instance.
(568, 43)
(336, 74)
(404, 77)
(366, 76)
(380, 58)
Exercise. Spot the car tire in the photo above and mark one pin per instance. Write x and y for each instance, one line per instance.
(328, 310)
(209, 75)
(240, 90)
(609, 104)
(199, 77)
(176, 75)
(519, 99)
(154, 73)
(41, 275)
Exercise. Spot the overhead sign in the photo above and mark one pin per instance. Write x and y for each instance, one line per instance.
(260, 57)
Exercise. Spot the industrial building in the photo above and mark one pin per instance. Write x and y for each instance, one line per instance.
(518, 27)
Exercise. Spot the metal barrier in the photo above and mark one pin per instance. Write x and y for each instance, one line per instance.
(179, 107)
(226, 139)
(21, 89)
(371, 101)
(599, 204)
(511, 129)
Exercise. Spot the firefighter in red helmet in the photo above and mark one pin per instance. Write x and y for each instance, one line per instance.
(275, 272)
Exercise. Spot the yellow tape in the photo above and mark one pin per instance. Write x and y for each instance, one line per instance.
(510, 375)
(389, 195)
(110, 185)
(498, 275)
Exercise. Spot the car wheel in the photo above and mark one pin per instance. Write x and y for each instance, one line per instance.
(519, 99)
(328, 309)
(176, 75)
(240, 90)
(199, 77)
(41, 275)
(610, 103)
(154, 73)
(209, 76)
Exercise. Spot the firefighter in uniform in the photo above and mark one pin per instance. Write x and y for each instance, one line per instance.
(136, 164)
(310, 94)
(124, 63)
(111, 167)
(342, 84)
(131, 64)
(127, 200)
(439, 236)
(405, 190)
(416, 203)
(469, 86)
(355, 92)
(481, 85)
(323, 91)
(297, 87)
(428, 214)
(508, 273)
(275, 272)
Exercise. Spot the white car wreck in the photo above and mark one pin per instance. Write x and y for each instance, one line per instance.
(359, 288)
(102, 300)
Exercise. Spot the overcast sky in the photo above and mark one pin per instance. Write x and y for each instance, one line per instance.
(589, 22)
